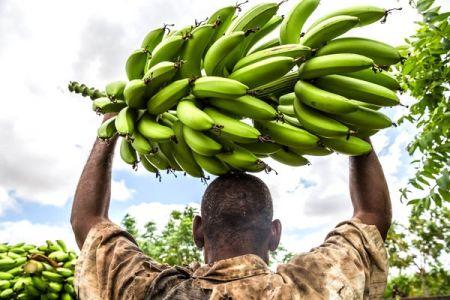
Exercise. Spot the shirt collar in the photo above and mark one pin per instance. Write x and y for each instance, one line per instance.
(233, 268)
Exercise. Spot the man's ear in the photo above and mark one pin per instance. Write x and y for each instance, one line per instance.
(275, 235)
(197, 232)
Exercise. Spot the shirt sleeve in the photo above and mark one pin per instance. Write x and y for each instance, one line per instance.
(111, 266)
(350, 264)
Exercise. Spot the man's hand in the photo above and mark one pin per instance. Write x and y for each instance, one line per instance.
(91, 201)
(369, 192)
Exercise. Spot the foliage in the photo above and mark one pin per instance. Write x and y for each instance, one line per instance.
(425, 74)
(421, 247)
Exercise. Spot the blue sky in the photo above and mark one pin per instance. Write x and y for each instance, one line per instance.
(47, 132)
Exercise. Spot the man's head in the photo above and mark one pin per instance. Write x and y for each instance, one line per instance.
(236, 219)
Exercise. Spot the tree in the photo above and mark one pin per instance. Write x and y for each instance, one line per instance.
(425, 74)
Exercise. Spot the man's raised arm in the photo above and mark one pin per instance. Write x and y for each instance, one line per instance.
(369, 192)
(91, 201)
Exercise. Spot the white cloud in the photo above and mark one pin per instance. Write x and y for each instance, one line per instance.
(7, 203)
(120, 191)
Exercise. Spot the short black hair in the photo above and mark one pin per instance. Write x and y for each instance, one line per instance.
(235, 206)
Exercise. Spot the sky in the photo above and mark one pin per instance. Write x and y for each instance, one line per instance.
(47, 132)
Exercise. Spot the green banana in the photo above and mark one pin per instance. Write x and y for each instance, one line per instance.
(315, 151)
(266, 45)
(365, 133)
(291, 28)
(85, 91)
(140, 143)
(328, 30)
(69, 288)
(262, 148)
(168, 97)
(257, 167)
(382, 78)
(114, 90)
(39, 283)
(62, 244)
(317, 123)
(107, 130)
(211, 164)
(59, 256)
(287, 99)
(52, 296)
(183, 154)
(365, 13)
(365, 104)
(269, 27)
(193, 50)
(239, 158)
(217, 54)
(365, 118)
(128, 155)
(292, 120)
(159, 75)
(293, 51)
(277, 88)
(264, 71)
(104, 105)
(286, 134)
(290, 158)
(167, 150)
(136, 64)
(193, 117)
(286, 109)
(222, 19)
(55, 287)
(322, 100)
(246, 106)
(6, 294)
(218, 87)
(359, 90)
(233, 129)
(6, 276)
(4, 284)
(167, 50)
(352, 146)
(200, 143)
(381, 53)
(135, 94)
(125, 121)
(158, 159)
(148, 165)
(153, 38)
(334, 64)
(52, 276)
(149, 128)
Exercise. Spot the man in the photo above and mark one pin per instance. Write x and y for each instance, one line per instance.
(236, 232)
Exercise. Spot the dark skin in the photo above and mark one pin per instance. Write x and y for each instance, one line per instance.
(368, 190)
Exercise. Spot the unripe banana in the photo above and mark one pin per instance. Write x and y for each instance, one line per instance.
(322, 100)
(107, 130)
(269, 44)
(365, 133)
(264, 71)
(69, 288)
(4, 284)
(218, 87)
(147, 165)
(290, 158)
(317, 123)
(328, 30)
(334, 64)
(286, 109)
(365, 13)
(268, 28)
(104, 105)
(52, 276)
(159, 75)
(183, 154)
(359, 90)
(153, 38)
(291, 28)
(200, 143)
(158, 159)
(65, 272)
(125, 121)
(193, 50)
(6, 294)
(315, 151)
(136, 64)
(273, 90)
(262, 148)
(352, 146)
(382, 78)
(381, 53)
(211, 164)
(286, 134)
(62, 244)
(114, 90)
(287, 99)
(257, 167)
(39, 283)
(55, 287)
(239, 158)
(292, 120)
(140, 143)
(149, 128)
(52, 296)
(246, 106)
(193, 117)
(365, 118)
(59, 256)
(135, 94)
(167, 50)
(6, 276)
(233, 129)
(66, 296)
(85, 91)
(167, 150)
(222, 19)
(215, 57)
(365, 104)
(168, 97)
(293, 51)
(128, 155)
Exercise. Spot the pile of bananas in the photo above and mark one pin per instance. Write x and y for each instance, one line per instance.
(215, 97)
(30, 272)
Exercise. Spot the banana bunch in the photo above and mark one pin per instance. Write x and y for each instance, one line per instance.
(31, 272)
(218, 96)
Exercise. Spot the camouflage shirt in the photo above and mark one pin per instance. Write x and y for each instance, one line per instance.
(350, 264)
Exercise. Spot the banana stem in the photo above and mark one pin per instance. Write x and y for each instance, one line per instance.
(388, 12)
(85, 91)
(238, 5)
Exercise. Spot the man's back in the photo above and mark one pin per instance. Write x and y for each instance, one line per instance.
(350, 264)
